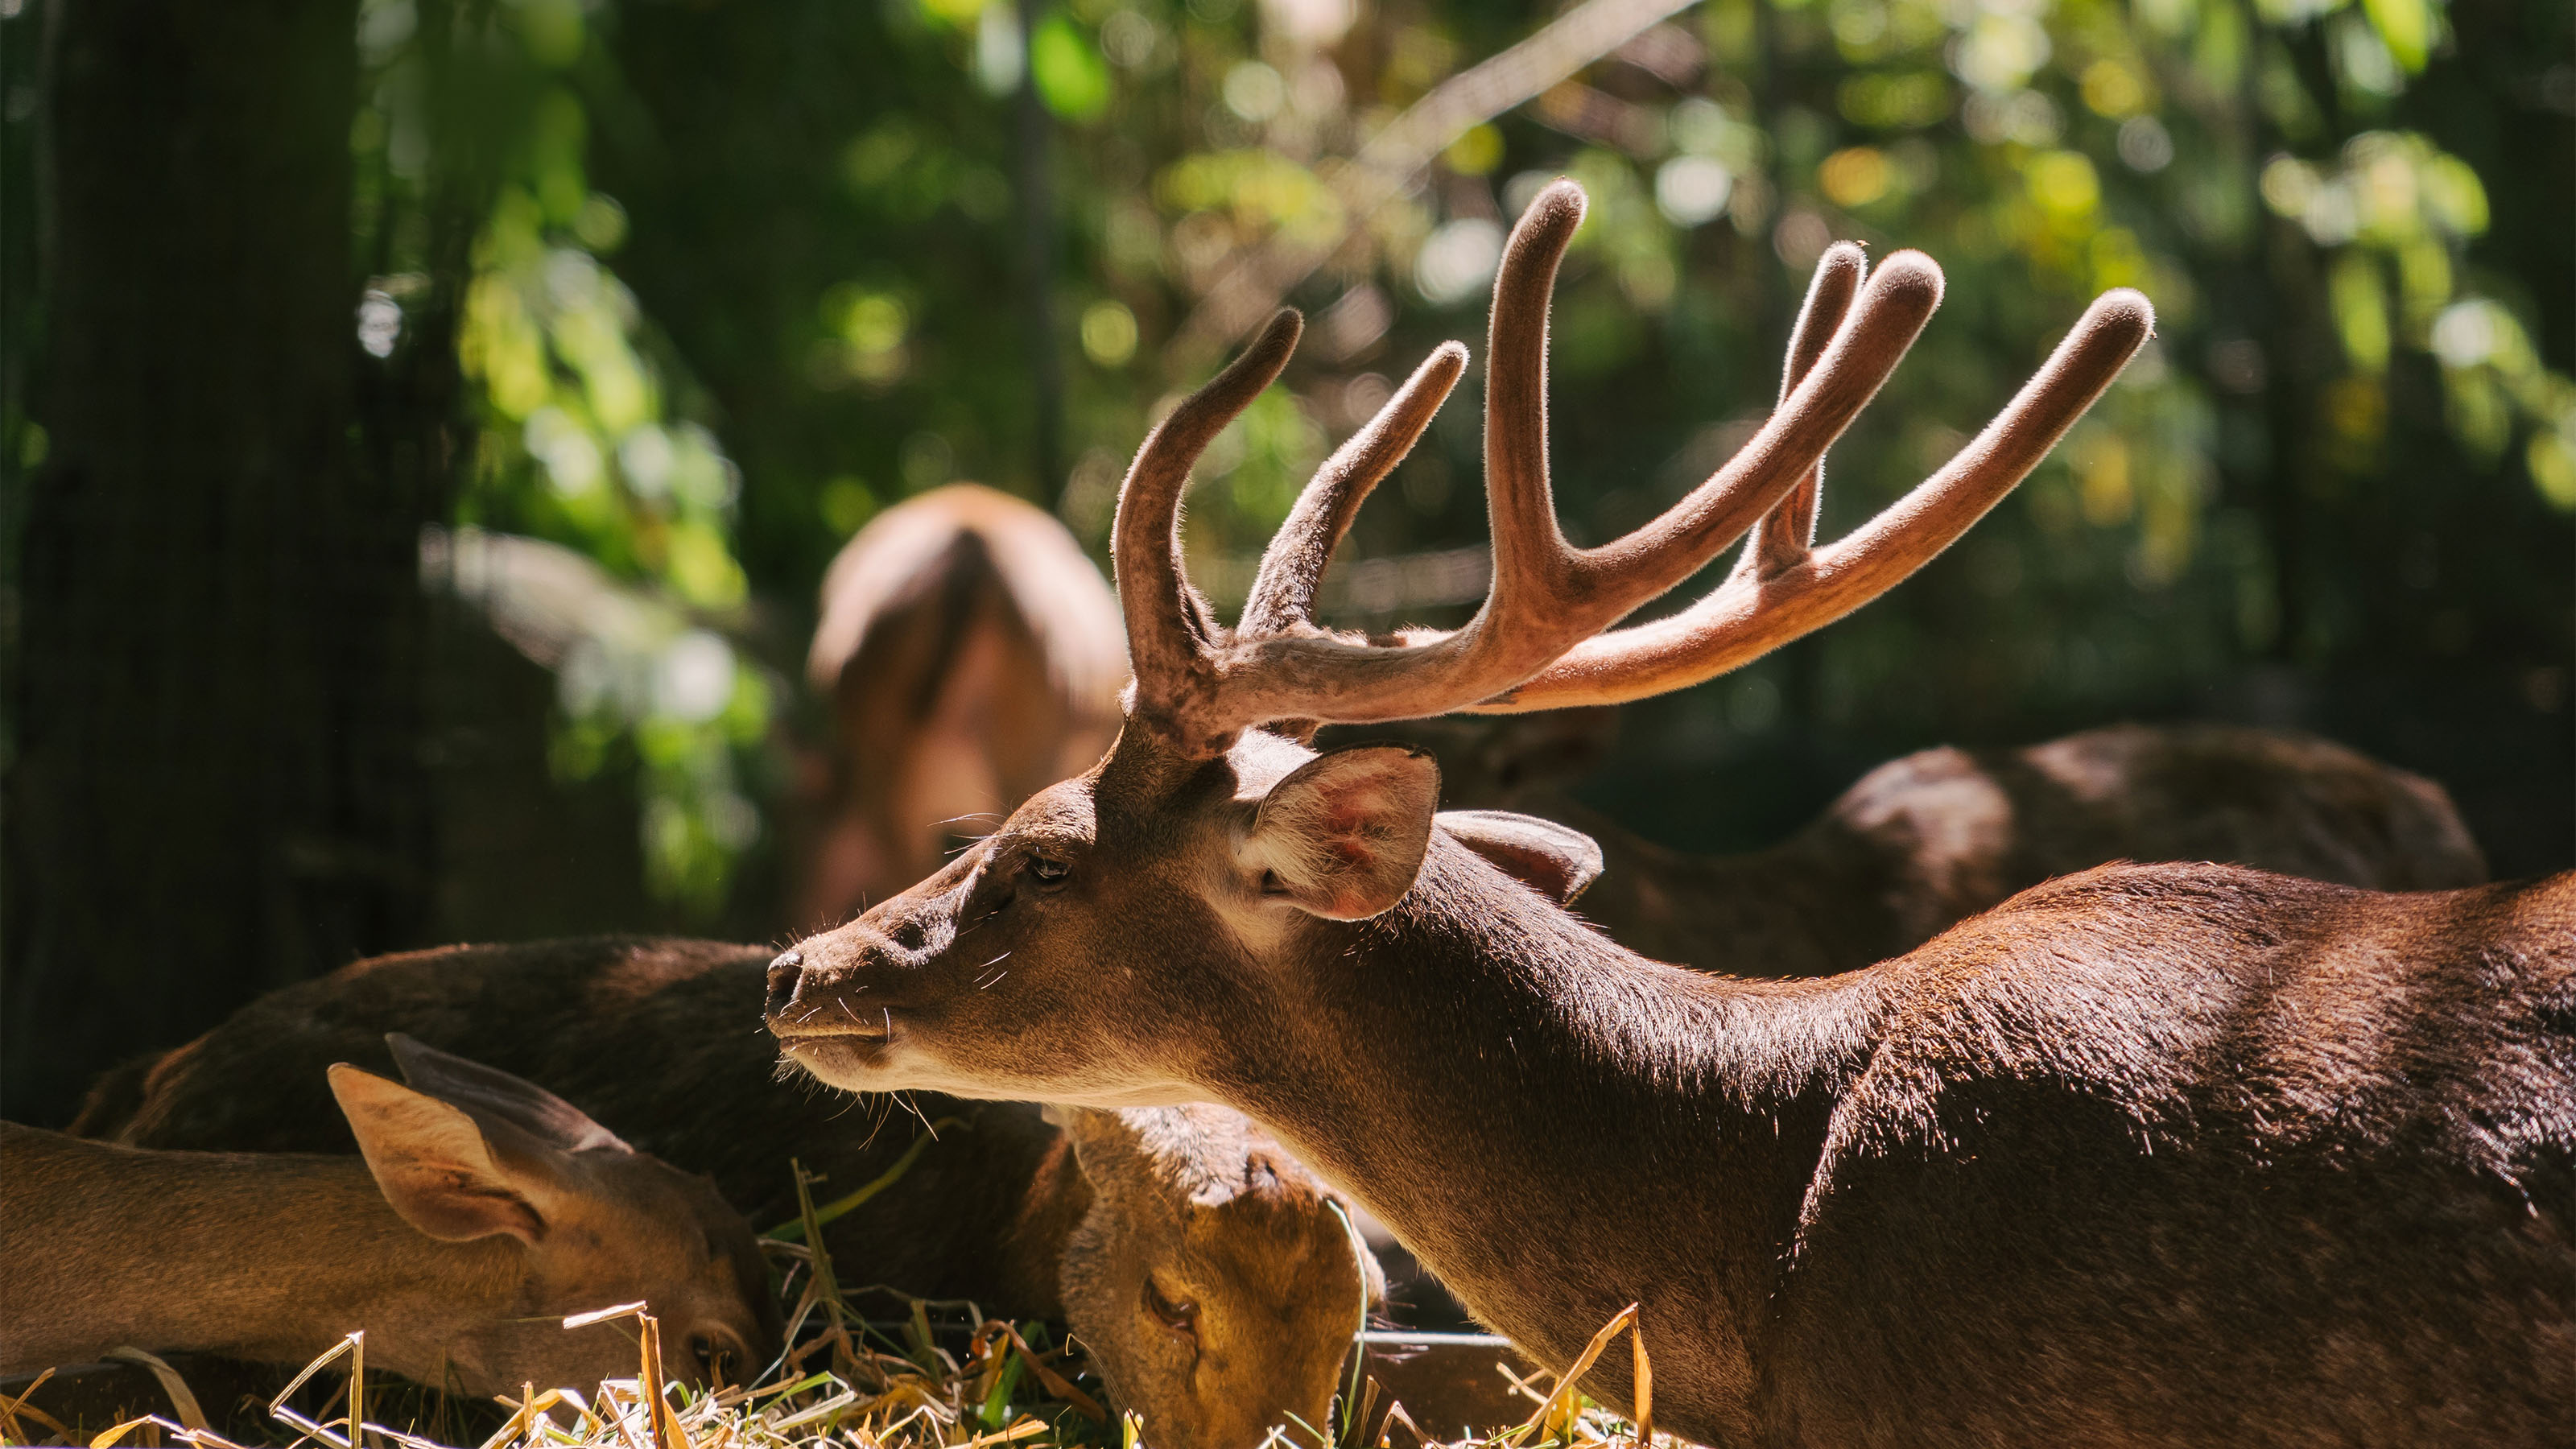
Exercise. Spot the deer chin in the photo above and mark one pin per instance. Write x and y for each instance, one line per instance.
(854, 1061)
(899, 1056)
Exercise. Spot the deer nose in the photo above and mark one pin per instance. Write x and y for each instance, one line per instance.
(784, 974)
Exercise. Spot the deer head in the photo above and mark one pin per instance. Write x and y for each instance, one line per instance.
(1113, 943)
(466, 1152)
(1214, 1288)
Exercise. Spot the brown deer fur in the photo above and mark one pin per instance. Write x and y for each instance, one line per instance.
(1923, 842)
(461, 1240)
(665, 1035)
(1250, 1286)
(2173, 1154)
(2146, 1155)
(971, 655)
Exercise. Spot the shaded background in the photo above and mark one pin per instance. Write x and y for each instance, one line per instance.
(303, 301)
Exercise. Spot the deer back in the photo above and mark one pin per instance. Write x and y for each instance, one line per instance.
(1928, 840)
(633, 1031)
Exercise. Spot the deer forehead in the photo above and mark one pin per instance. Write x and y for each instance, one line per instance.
(648, 1207)
(1144, 800)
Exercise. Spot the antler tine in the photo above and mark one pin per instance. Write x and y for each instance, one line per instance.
(1747, 618)
(1883, 320)
(1787, 533)
(1166, 620)
(1283, 593)
(1544, 590)
(1531, 556)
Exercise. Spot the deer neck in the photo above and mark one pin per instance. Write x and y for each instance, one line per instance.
(1506, 1088)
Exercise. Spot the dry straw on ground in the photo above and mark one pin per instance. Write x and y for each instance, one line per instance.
(846, 1384)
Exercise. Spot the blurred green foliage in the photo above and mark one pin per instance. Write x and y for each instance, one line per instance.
(590, 434)
(742, 274)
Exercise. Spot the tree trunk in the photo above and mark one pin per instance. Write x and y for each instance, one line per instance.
(218, 786)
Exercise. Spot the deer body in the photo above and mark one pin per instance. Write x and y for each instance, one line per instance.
(1928, 840)
(2146, 1155)
(2007, 1189)
(633, 1030)
(481, 1213)
(1188, 1208)
(2303, 1149)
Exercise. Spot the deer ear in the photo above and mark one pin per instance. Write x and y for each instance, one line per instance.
(1101, 1139)
(433, 1163)
(1343, 835)
(1551, 859)
(488, 1092)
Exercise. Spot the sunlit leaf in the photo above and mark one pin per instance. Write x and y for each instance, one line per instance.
(2360, 311)
(1071, 77)
(2405, 27)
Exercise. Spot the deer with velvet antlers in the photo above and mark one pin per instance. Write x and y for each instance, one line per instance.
(2143, 1155)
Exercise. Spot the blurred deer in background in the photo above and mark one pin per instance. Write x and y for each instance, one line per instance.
(972, 656)
(1199, 1263)
(480, 1212)
(2161, 1154)
(1926, 841)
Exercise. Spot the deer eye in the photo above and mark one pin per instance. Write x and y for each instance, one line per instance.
(1047, 870)
(714, 1358)
(1181, 1316)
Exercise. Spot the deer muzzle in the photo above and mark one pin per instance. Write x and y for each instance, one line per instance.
(828, 1017)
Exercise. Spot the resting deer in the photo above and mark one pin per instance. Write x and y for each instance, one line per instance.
(1214, 1286)
(1926, 841)
(1249, 1286)
(971, 655)
(2177, 1154)
(481, 1212)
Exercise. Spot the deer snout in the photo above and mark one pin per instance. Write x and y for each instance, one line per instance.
(846, 981)
(806, 992)
(786, 971)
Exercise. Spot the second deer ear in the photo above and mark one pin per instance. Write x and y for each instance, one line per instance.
(1551, 859)
(433, 1163)
(1104, 1146)
(488, 1092)
(1343, 836)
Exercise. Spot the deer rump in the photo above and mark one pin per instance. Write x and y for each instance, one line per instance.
(2144, 1155)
